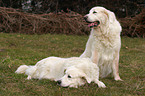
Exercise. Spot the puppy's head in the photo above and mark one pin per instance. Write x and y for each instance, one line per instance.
(73, 78)
(99, 16)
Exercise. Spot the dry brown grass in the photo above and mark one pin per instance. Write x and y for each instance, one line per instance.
(134, 27)
(13, 20)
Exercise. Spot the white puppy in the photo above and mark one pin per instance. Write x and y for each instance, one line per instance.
(68, 72)
(103, 45)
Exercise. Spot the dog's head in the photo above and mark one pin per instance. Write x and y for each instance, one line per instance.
(73, 78)
(99, 16)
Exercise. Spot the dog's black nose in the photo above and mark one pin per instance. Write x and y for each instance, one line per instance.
(86, 17)
(59, 82)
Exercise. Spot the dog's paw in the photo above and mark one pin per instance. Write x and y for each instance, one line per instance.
(101, 85)
(29, 77)
(118, 79)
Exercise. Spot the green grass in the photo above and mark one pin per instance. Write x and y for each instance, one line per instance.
(18, 49)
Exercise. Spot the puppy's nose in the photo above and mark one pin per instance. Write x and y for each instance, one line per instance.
(59, 82)
(85, 17)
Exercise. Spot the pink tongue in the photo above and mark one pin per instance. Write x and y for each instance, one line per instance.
(93, 24)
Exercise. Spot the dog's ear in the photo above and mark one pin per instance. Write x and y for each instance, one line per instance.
(88, 79)
(111, 16)
(64, 70)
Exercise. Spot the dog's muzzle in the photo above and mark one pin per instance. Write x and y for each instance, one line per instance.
(59, 82)
(91, 24)
(86, 19)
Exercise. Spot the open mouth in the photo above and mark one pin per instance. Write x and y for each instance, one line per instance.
(93, 24)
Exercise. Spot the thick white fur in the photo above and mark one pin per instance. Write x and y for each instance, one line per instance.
(104, 42)
(81, 70)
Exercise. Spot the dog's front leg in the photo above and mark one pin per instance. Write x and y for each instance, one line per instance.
(100, 84)
(95, 56)
(115, 68)
(87, 52)
(29, 77)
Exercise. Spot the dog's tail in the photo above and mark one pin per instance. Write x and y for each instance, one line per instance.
(22, 69)
(28, 70)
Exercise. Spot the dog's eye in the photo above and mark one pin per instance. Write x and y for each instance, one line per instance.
(94, 12)
(69, 76)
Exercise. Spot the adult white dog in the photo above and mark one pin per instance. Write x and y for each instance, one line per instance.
(104, 42)
(68, 72)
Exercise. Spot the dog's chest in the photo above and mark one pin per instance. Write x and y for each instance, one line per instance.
(103, 40)
(106, 55)
(105, 50)
(102, 43)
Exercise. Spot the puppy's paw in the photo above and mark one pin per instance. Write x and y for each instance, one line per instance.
(101, 85)
(29, 77)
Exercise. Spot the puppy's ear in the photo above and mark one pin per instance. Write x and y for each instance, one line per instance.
(88, 79)
(64, 70)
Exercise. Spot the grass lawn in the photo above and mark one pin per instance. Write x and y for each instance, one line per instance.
(18, 49)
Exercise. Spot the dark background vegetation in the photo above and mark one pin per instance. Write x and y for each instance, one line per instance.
(129, 12)
(122, 8)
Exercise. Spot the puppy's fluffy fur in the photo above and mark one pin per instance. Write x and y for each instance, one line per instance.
(68, 72)
(104, 42)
